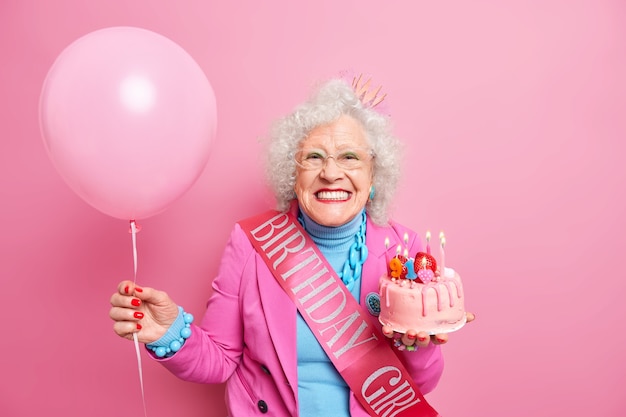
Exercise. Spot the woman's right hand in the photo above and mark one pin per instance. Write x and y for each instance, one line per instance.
(145, 311)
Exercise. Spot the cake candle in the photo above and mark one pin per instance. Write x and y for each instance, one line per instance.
(406, 240)
(387, 253)
(428, 242)
(410, 267)
(442, 241)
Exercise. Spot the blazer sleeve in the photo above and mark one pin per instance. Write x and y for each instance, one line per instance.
(213, 351)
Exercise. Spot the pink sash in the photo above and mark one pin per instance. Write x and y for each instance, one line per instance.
(357, 349)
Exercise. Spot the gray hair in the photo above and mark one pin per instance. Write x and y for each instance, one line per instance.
(329, 101)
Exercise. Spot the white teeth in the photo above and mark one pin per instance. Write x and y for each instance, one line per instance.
(333, 195)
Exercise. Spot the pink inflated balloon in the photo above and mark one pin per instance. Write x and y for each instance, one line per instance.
(128, 119)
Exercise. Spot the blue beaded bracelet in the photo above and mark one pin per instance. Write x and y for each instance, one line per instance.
(175, 345)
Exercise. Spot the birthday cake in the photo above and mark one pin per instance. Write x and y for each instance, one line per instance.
(415, 294)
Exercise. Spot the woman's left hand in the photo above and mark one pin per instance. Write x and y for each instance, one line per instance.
(421, 339)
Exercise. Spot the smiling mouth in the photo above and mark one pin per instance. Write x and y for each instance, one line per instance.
(332, 195)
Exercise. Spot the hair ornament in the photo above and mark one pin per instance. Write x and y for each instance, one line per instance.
(369, 96)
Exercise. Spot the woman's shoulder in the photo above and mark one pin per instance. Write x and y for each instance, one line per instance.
(259, 223)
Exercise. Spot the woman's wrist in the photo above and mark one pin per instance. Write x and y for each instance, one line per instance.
(175, 337)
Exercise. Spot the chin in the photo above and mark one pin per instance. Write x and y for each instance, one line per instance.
(333, 220)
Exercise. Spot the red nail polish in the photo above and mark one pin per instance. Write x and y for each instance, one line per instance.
(422, 339)
(138, 326)
(126, 289)
(138, 289)
(136, 302)
(138, 315)
(441, 340)
(411, 336)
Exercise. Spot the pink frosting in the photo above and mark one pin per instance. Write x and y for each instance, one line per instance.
(413, 306)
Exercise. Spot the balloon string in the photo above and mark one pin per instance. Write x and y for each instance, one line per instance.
(133, 229)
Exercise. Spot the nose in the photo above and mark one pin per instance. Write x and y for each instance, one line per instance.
(331, 171)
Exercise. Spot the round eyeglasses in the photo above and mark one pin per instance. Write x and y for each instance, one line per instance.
(348, 159)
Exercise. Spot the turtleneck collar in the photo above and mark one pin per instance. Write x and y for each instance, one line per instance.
(332, 237)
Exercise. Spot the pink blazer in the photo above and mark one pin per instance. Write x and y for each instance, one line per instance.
(247, 336)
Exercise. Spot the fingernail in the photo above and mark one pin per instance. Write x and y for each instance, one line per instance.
(138, 289)
(411, 336)
(136, 302)
(138, 315)
(441, 340)
(126, 289)
(138, 326)
(422, 339)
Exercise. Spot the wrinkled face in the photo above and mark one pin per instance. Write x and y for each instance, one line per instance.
(334, 172)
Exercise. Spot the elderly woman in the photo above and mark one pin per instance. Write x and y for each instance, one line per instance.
(333, 165)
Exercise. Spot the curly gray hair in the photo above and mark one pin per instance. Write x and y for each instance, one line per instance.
(328, 102)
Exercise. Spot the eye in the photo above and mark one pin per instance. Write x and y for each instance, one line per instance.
(350, 156)
(314, 155)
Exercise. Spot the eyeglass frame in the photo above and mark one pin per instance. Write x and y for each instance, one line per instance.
(324, 156)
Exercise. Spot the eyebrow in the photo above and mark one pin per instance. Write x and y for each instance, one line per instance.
(339, 148)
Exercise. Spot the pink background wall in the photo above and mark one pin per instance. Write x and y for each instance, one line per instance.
(513, 113)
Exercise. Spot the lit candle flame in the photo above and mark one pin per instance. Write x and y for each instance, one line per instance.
(406, 238)
(386, 243)
(428, 236)
(398, 249)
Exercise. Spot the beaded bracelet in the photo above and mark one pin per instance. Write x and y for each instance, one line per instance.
(175, 345)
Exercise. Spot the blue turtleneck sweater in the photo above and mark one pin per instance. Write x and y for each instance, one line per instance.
(321, 390)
